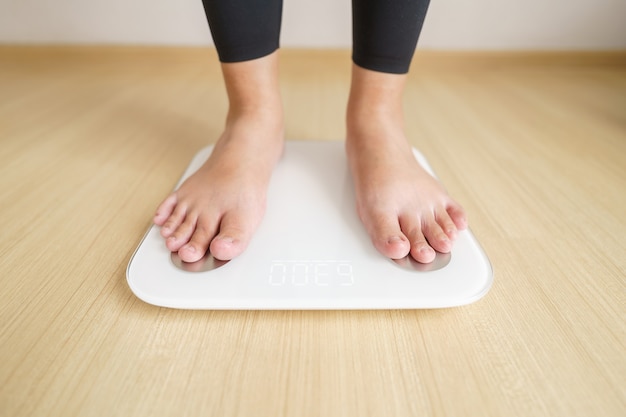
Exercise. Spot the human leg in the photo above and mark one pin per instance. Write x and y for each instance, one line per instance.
(220, 206)
(243, 30)
(403, 208)
(385, 33)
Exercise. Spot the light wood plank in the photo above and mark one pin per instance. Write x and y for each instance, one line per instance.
(533, 145)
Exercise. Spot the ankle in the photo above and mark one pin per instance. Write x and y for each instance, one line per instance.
(371, 115)
(375, 101)
(252, 88)
(373, 126)
(267, 116)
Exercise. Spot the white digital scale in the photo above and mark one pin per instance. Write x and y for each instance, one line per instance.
(310, 252)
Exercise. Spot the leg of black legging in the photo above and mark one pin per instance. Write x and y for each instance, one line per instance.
(385, 32)
(244, 29)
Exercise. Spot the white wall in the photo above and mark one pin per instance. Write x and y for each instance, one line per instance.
(450, 24)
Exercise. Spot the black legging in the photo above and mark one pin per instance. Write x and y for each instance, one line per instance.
(384, 32)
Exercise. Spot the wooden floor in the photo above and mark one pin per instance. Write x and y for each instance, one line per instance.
(534, 147)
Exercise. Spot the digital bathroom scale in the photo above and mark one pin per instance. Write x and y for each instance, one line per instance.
(310, 252)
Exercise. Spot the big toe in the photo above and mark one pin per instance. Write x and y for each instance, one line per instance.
(235, 233)
(226, 247)
(386, 235)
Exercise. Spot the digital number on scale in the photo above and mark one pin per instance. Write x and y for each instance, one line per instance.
(318, 273)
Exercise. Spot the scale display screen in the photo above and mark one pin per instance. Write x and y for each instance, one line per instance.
(310, 252)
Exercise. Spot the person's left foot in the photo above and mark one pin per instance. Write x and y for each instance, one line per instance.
(404, 209)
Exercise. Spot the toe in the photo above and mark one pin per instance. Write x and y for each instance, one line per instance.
(182, 234)
(387, 237)
(164, 211)
(174, 221)
(236, 230)
(197, 246)
(435, 236)
(457, 215)
(446, 224)
(420, 250)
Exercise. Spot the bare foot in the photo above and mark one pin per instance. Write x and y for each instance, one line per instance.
(404, 209)
(220, 206)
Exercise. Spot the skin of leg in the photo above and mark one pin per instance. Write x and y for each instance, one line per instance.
(404, 209)
(219, 207)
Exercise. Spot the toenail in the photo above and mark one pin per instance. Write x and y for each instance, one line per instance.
(394, 239)
(189, 248)
(426, 249)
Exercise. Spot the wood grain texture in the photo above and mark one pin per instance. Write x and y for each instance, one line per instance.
(533, 145)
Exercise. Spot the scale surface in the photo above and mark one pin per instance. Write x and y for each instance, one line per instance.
(310, 252)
